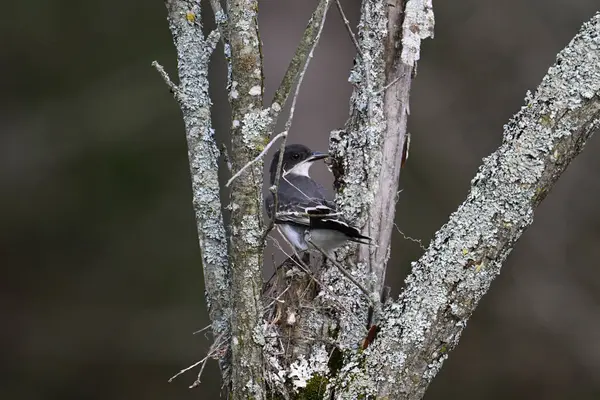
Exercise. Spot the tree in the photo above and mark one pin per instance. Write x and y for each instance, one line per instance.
(359, 346)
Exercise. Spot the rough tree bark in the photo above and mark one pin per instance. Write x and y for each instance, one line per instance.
(409, 338)
(248, 137)
(446, 284)
(193, 56)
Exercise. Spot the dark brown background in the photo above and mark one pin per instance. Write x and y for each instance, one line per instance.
(102, 284)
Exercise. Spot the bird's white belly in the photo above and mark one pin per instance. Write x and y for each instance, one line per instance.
(327, 239)
(295, 235)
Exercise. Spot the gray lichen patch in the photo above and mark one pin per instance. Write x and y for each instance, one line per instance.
(356, 151)
(193, 55)
(467, 253)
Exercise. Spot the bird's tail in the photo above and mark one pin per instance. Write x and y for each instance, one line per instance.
(362, 239)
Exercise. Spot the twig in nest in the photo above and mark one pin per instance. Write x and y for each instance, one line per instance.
(214, 348)
(276, 299)
(345, 272)
(307, 271)
(202, 330)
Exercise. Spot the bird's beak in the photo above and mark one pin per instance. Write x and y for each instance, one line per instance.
(315, 156)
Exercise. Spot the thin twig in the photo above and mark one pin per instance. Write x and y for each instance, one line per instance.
(197, 381)
(300, 264)
(261, 155)
(202, 330)
(276, 299)
(386, 87)
(344, 272)
(165, 76)
(349, 28)
(309, 40)
(405, 236)
(211, 352)
(188, 368)
(297, 260)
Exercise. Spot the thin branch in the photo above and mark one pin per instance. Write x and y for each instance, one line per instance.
(343, 270)
(303, 53)
(183, 371)
(201, 330)
(389, 85)
(220, 19)
(348, 28)
(412, 239)
(194, 51)
(165, 76)
(214, 349)
(257, 159)
(248, 136)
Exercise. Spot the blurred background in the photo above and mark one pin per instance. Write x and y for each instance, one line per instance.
(102, 283)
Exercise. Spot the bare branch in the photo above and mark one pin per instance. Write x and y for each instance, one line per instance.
(165, 76)
(258, 158)
(193, 55)
(304, 51)
(220, 19)
(344, 272)
(348, 27)
(466, 254)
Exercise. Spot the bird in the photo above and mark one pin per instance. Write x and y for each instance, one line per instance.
(304, 215)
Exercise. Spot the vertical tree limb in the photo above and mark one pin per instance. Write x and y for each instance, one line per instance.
(248, 138)
(406, 28)
(193, 55)
(367, 153)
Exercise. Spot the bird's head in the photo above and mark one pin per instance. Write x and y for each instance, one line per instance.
(297, 160)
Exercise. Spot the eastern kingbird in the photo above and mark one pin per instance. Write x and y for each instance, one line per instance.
(303, 212)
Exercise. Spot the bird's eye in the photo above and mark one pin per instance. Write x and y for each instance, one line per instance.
(295, 156)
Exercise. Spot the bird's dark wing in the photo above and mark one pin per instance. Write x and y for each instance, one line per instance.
(302, 201)
(338, 224)
(299, 199)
